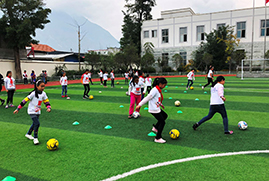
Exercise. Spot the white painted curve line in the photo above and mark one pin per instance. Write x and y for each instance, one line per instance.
(180, 161)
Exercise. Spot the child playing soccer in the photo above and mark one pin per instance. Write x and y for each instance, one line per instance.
(63, 82)
(190, 79)
(85, 82)
(155, 99)
(10, 88)
(209, 77)
(135, 94)
(105, 78)
(112, 76)
(148, 83)
(36, 97)
(217, 100)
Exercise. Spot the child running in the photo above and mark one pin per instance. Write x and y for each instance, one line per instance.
(135, 94)
(191, 77)
(10, 89)
(64, 83)
(155, 99)
(217, 100)
(112, 77)
(105, 78)
(36, 97)
(85, 82)
(148, 83)
(209, 77)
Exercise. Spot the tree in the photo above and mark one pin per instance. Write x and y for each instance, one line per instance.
(93, 59)
(149, 47)
(177, 60)
(147, 60)
(20, 19)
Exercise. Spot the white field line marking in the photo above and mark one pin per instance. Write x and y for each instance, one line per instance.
(180, 161)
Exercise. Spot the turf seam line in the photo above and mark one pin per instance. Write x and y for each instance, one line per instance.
(141, 169)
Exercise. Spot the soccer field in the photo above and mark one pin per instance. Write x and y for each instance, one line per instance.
(90, 152)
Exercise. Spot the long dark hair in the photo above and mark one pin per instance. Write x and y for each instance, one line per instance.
(218, 79)
(35, 89)
(8, 72)
(134, 77)
(159, 80)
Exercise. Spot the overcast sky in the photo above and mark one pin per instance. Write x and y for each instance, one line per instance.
(107, 13)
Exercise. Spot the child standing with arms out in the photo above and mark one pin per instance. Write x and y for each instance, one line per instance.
(105, 78)
(101, 76)
(126, 76)
(24, 75)
(90, 77)
(36, 97)
(217, 100)
(112, 76)
(190, 79)
(148, 83)
(10, 88)
(63, 82)
(135, 94)
(85, 82)
(155, 99)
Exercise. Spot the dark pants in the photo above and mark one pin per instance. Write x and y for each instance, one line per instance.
(112, 83)
(101, 80)
(34, 127)
(25, 81)
(142, 95)
(189, 85)
(148, 89)
(126, 80)
(90, 79)
(209, 80)
(105, 82)
(10, 94)
(86, 89)
(214, 109)
(161, 117)
(64, 90)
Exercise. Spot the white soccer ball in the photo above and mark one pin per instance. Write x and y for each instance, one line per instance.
(100, 92)
(242, 125)
(127, 93)
(136, 114)
(68, 98)
(177, 103)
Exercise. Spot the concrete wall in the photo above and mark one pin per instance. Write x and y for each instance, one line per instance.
(37, 66)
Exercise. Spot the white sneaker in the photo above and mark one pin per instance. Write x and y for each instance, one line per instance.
(6, 106)
(203, 87)
(36, 141)
(159, 140)
(30, 137)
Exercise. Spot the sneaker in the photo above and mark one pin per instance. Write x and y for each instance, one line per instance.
(154, 129)
(195, 126)
(30, 137)
(203, 87)
(186, 88)
(159, 140)
(2, 102)
(130, 116)
(84, 97)
(36, 142)
(229, 132)
(11, 105)
(6, 106)
(87, 96)
(66, 95)
(62, 95)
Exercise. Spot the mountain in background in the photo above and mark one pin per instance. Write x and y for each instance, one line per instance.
(62, 34)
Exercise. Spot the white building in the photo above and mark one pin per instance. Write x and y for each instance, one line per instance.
(110, 50)
(181, 31)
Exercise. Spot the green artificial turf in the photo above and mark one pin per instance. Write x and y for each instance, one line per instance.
(90, 152)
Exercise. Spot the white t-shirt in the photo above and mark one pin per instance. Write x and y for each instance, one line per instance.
(9, 84)
(148, 81)
(126, 75)
(90, 75)
(112, 76)
(24, 75)
(100, 74)
(136, 89)
(141, 81)
(63, 80)
(209, 73)
(216, 93)
(105, 76)
(190, 76)
(85, 78)
(154, 99)
(34, 106)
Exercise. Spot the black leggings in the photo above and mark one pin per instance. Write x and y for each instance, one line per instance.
(10, 94)
(161, 117)
(86, 89)
(90, 79)
(112, 83)
(189, 85)
(101, 80)
(105, 82)
(209, 80)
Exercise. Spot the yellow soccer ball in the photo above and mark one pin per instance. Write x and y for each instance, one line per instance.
(177, 103)
(118, 83)
(91, 97)
(52, 144)
(174, 134)
(191, 88)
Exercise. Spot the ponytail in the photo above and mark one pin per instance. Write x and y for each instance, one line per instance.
(132, 81)
(35, 89)
(218, 79)
(159, 80)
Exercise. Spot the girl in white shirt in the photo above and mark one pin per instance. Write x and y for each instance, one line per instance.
(209, 77)
(105, 78)
(63, 82)
(85, 82)
(112, 77)
(148, 82)
(101, 76)
(135, 94)
(90, 77)
(155, 99)
(190, 78)
(141, 81)
(35, 98)
(126, 76)
(216, 104)
(9, 82)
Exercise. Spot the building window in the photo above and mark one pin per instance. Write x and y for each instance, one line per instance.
(183, 34)
(220, 25)
(263, 28)
(154, 33)
(146, 34)
(165, 36)
(200, 33)
(184, 57)
(165, 58)
(241, 29)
